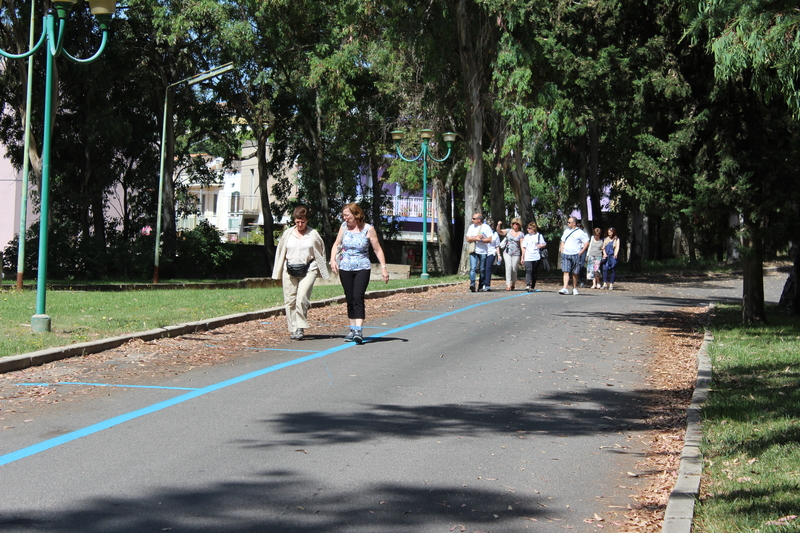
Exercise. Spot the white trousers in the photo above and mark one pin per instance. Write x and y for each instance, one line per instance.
(296, 298)
(512, 264)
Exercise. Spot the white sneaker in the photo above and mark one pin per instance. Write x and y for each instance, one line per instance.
(563, 291)
(574, 292)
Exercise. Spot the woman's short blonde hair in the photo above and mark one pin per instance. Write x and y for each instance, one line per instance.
(532, 225)
(517, 220)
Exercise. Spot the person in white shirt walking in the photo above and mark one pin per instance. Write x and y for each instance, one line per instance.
(532, 245)
(492, 256)
(574, 243)
(479, 234)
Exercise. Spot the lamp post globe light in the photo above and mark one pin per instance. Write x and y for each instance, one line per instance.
(52, 39)
(424, 154)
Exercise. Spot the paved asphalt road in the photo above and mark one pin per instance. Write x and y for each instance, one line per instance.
(497, 412)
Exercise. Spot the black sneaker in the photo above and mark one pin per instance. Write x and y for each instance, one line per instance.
(472, 288)
(350, 337)
(357, 337)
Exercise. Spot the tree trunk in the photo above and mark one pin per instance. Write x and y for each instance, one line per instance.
(638, 223)
(677, 240)
(790, 296)
(319, 154)
(595, 185)
(796, 273)
(34, 156)
(733, 243)
(518, 179)
(263, 189)
(498, 133)
(472, 76)
(444, 229)
(169, 239)
(377, 198)
(753, 281)
(126, 214)
(692, 247)
(98, 219)
(497, 198)
(377, 195)
(583, 181)
(688, 236)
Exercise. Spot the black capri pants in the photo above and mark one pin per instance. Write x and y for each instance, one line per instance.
(354, 283)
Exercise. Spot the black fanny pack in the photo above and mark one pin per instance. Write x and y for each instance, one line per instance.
(297, 271)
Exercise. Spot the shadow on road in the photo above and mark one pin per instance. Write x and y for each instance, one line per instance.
(279, 503)
(565, 414)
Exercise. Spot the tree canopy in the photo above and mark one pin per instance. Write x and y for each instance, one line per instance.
(648, 116)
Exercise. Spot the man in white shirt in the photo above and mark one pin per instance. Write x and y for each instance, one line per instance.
(574, 243)
(480, 234)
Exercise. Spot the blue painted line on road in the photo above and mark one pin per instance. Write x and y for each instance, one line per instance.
(127, 417)
(105, 385)
(279, 350)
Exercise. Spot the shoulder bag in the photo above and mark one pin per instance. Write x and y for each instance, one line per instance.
(542, 251)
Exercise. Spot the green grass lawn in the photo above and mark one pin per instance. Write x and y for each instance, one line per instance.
(83, 316)
(751, 426)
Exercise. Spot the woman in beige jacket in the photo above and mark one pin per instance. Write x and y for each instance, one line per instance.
(299, 261)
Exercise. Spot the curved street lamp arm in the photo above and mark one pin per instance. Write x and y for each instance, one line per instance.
(449, 150)
(29, 52)
(410, 160)
(95, 56)
(55, 47)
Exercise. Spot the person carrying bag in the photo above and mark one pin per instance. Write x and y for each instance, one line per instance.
(299, 261)
(610, 254)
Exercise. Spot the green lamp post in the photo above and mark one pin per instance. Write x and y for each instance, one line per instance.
(52, 39)
(424, 154)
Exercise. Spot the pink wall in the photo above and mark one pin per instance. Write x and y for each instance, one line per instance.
(10, 187)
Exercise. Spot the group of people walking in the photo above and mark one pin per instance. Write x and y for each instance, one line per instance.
(515, 250)
(600, 256)
(300, 261)
(597, 255)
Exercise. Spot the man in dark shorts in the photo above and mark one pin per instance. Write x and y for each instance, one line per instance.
(574, 243)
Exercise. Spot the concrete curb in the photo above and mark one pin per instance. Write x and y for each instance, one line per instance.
(19, 362)
(679, 514)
